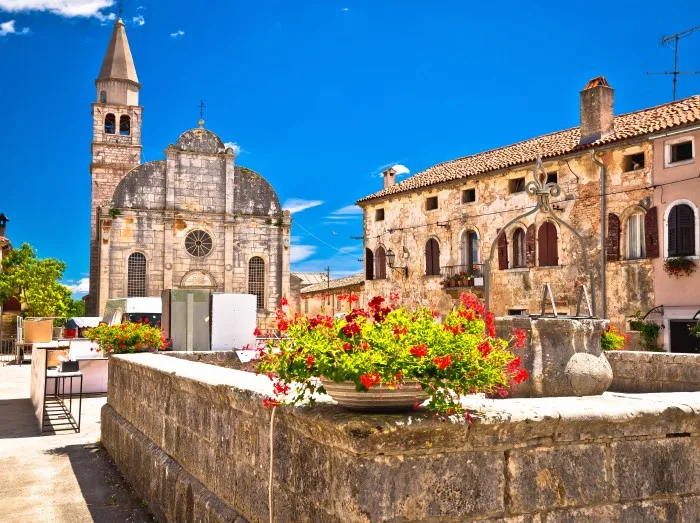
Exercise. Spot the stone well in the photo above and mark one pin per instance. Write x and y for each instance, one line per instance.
(551, 342)
(194, 441)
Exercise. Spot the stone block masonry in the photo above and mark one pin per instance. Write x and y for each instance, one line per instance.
(193, 440)
(635, 371)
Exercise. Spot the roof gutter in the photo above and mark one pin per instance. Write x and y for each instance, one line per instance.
(603, 291)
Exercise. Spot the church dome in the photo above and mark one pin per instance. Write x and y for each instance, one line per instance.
(200, 140)
(253, 194)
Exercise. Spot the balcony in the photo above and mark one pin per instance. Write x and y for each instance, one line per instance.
(462, 276)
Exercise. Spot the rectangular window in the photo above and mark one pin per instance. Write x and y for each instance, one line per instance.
(379, 215)
(468, 195)
(632, 162)
(431, 203)
(680, 152)
(517, 312)
(635, 237)
(552, 177)
(516, 185)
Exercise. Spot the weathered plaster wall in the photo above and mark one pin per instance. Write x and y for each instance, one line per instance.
(201, 452)
(407, 223)
(654, 371)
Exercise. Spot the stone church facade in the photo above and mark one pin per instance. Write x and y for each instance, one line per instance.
(192, 220)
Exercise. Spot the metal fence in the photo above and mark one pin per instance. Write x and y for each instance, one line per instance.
(7, 351)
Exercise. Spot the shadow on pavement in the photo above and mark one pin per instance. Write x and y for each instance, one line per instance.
(17, 419)
(108, 496)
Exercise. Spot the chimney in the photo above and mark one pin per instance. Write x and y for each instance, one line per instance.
(3, 224)
(389, 177)
(596, 110)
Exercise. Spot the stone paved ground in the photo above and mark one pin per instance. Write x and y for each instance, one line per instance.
(57, 478)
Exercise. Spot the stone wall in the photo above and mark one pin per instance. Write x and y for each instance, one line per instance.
(193, 440)
(654, 371)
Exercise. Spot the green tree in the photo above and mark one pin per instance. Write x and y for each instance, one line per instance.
(35, 283)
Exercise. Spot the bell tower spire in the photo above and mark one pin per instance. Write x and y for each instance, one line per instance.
(116, 147)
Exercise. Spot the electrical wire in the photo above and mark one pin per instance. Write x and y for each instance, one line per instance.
(323, 241)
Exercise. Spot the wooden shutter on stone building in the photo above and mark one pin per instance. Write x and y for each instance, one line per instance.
(530, 246)
(651, 233)
(432, 257)
(547, 245)
(502, 252)
(613, 242)
(686, 230)
(369, 264)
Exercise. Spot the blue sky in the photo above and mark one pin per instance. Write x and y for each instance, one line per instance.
(320, 95)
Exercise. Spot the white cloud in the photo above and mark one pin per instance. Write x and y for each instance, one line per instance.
(138, 20)
(82, 287)
(298, 204)
(67, 8)
(400, 169)
(140, 7)
(8, 28)
(349, 211)
(237, 149)
(177, 33)
(301, 252)
(346, 9)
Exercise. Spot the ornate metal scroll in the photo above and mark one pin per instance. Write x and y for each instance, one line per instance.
(542, 191)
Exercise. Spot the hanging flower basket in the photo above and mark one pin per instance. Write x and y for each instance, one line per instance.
(679, 266)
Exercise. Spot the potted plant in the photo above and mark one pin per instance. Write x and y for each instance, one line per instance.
(386, 357)
(126, 338)
(679, 266)
(453, 282)
(612, 339)
(648, 333)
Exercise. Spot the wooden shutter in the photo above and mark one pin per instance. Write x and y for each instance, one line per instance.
(686, 230)
(651, 233)
(380, 264)
(612, 245)
(369, 264)
(547, 244)
(530, 246)
(502, 252)
(673, 232)
(432, 257)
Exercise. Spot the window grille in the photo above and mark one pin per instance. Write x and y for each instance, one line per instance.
(256, 280)
(136, 279)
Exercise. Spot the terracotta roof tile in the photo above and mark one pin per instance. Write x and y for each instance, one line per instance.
(630, 125)
(348, 281)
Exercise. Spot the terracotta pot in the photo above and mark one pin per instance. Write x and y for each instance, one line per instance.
(379, 398)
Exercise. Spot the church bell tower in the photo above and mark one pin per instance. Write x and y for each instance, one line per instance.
(116, 147)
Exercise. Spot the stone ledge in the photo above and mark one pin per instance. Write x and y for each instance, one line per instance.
(638, 371)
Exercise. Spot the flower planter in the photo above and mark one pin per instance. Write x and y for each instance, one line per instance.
(377, 398)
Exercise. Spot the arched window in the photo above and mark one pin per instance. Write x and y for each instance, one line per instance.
(369, 264)
(635, 236)
(681, 230)
(136, 276)
(103, 97)
(519, 248)
(110, 124)
(432, 257)
(380, 264)
(256, 280)
(124, 125)
(547, 245)
(469, 250)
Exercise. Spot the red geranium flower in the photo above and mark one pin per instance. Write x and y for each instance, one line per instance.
(400, 330)
(443, 362)
(370, 379)
(347, 346)
(514, 365)
(270, 402)
(283, 302)
(520, 338)
(419, 351)
(257, 332)
(484, 348)
(309, 362)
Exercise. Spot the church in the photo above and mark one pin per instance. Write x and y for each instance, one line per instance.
(194, 219)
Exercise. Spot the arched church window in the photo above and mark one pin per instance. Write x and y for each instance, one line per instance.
(103, 97)
(198, 243)
(256, 280)
(124, 125)
(110, 124)
(136, 276)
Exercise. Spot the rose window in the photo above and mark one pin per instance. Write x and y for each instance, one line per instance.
(198, 243)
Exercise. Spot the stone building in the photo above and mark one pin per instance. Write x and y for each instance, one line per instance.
(193, 219)
(331, 297)
(422, 233)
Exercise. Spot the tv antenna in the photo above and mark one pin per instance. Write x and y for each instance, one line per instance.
(666, 40)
